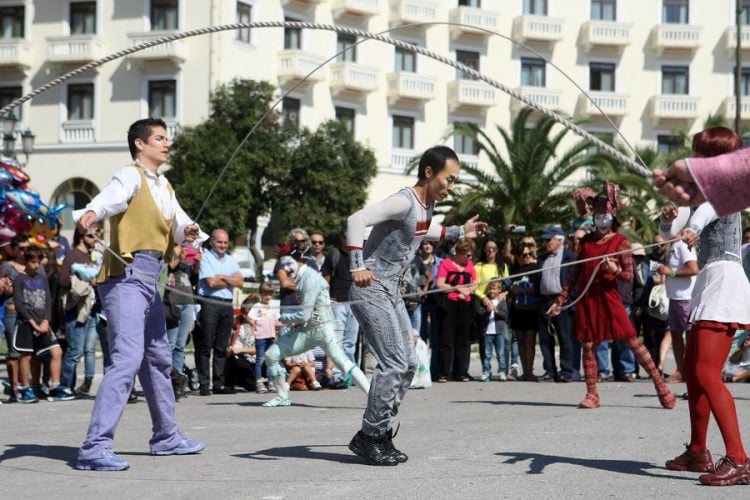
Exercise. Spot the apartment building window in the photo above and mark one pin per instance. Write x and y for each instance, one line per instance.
(83, 18)
(602, 77)
(467, 58)
(406, 60)
(470, 3)
(346, 116)
(745, 12)
(675, 11)
(8, 95)
(346, 42)
(533, 72)
(604, 10)
(164, 15)
(675, 80)
(292, 37)
(464, 144)
(162, 99)
(290, 110)
(244, 15)
(11, 22)
(744, 82)
(535, 7)
(403, 132)
(668, 143)
(81, 101)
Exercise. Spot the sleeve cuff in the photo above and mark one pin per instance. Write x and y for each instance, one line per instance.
(356, 260)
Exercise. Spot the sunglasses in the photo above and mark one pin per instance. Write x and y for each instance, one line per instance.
(317, 242)
(527, 255)
(490, 249)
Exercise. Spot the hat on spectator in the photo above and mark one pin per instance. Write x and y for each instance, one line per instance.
(638, 249)
(553, 231)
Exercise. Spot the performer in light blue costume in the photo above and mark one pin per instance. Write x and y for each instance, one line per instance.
(312, 325)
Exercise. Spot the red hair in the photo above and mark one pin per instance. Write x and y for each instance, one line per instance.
(715, 141)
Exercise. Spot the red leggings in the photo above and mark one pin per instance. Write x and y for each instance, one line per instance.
(706, 352)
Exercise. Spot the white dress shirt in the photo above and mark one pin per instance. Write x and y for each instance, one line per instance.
(125, 184)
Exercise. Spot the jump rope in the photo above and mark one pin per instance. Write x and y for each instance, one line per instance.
(362, 37)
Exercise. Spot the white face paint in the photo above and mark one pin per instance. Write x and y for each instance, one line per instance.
(603, 222)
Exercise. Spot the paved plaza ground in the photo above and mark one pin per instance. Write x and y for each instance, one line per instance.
(464, 440)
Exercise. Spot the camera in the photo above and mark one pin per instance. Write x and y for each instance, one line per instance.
(517, 229)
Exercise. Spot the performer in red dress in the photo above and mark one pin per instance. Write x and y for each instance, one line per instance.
(600, 314)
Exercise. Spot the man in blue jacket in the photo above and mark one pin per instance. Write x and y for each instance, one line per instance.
(551, 281)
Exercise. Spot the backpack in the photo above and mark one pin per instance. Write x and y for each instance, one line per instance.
(658, 303)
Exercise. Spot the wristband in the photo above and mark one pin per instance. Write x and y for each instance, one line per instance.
(673, 273)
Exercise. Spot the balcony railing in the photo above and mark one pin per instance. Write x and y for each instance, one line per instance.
(470, 93)
(301, 2)
(74, 49)
(15, 53)
(356, 7)
(605, 34)
(402, 158)
(730, 38)
(78, 132)
(174, 51)
(411, 86)
(473, 21)
(729, 106)
(413, 11)
(544, 97)
(676, 36)
(294, 65)
(674, 107)
(611, 103)
(353, 77)
(537, 28)
(173, 128)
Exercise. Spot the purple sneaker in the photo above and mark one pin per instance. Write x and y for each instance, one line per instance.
(107, 461)
(186, 447)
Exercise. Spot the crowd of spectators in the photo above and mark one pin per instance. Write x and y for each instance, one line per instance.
(457, 294)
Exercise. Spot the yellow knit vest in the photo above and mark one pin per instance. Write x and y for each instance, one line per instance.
(142, 226)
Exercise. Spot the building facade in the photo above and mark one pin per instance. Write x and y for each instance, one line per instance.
(653, 66)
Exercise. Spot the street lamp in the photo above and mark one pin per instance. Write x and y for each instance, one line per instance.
(9, 123)
(27, 144)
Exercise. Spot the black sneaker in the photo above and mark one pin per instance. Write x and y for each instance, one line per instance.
(400, 456)
(133, 397)
(180, 386)
(372, 449)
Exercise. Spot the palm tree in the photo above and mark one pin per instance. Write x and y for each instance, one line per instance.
(528, 183)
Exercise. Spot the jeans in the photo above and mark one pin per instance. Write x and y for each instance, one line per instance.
(602, 357)
(76, 335)
(511, 347)
(9, 323)
(89, 349)
(178, 336)
(261, 345)
(416, 318)
(347, 327)
(623, 359)
(498, 342)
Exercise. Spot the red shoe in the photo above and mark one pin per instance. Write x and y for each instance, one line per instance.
(691, 461)
(728, 473)
(591, 401)
(668, 400)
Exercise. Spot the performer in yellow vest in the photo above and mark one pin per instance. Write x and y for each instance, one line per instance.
(145, 219)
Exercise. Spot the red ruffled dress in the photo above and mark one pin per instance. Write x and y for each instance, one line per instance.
(600, 314)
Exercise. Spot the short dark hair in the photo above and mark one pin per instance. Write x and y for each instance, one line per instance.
(33, 252)
(142, 130)
(436, 157)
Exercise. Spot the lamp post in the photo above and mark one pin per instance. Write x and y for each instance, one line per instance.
(9, 123)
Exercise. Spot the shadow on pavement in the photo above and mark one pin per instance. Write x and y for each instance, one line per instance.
(259, 404)
(518, 403)
(307, 452)
(67, 454)
(539, 462)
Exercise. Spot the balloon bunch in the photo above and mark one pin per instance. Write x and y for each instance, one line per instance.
(21, 209)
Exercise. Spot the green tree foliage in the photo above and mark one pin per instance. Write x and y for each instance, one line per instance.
(528, 183)
(308, 179)
(331, 173)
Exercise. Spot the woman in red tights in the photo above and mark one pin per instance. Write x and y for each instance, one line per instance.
(600, 314)
(719, 306)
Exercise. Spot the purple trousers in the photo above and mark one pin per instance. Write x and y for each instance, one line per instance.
(138, 345)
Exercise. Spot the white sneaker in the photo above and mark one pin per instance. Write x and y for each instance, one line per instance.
(485, 376)
(315, 385)
(501, 377)
(514, 371)
(278, 401)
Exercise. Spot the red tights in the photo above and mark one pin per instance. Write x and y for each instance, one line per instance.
(705, 354)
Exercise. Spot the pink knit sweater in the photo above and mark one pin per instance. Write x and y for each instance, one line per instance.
(724, 180)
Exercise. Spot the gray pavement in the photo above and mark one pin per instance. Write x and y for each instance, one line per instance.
(464, 440)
